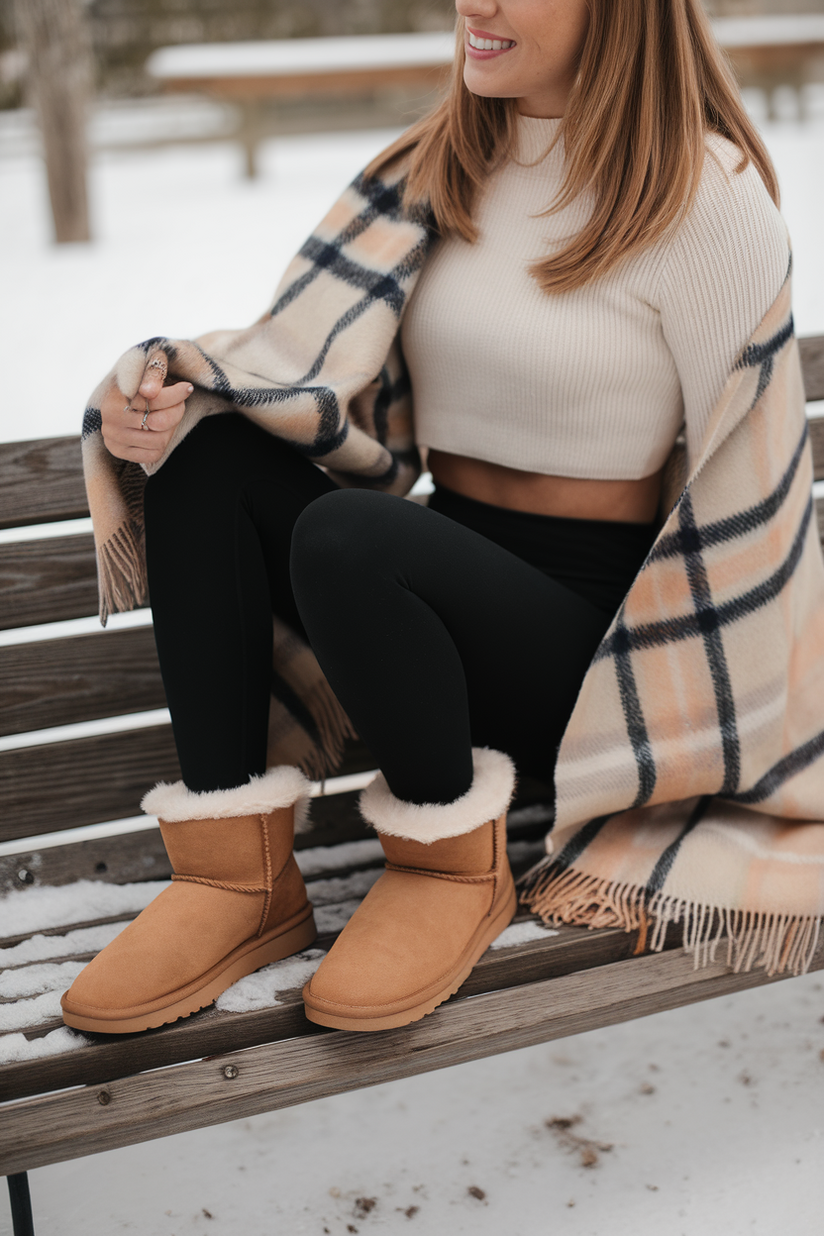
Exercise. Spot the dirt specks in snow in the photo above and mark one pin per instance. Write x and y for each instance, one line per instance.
(587, 1149)
(207, 1214)
(363, 1205)
(646, 1088)
(474, 1191)
(410, 1211)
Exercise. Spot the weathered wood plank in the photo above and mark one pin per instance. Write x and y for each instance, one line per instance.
(47, 581)
(41, 481)
(66, 1125)
(64, 785)
(210, 1031)
(812, 365)
(69, 784)
(816, 424)
(61, 681)
(344, 82)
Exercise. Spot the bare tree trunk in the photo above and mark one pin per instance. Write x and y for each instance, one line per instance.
(55, 35)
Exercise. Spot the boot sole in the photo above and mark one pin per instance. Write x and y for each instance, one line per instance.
(276, 948)
(403, 1018)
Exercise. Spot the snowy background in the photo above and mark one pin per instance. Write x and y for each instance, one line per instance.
(704, 1120)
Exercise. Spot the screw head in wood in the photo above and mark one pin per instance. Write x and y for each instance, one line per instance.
(104, 1098)
(231, 1071)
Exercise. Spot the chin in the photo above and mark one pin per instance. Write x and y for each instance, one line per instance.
(479, 83)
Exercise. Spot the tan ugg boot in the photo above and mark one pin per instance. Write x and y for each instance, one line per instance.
(237, 901)
(446, 894)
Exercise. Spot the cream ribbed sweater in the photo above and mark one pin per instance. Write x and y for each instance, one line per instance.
(597, 382)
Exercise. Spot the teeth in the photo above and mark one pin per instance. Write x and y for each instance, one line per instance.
(489, 44)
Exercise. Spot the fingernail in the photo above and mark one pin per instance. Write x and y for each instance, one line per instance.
(190, 388)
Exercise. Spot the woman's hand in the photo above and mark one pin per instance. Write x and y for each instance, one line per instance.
(129, 433)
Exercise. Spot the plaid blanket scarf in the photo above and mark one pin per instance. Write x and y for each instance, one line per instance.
(690, 779)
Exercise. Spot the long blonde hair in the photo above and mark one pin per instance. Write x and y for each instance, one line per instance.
(652, 82)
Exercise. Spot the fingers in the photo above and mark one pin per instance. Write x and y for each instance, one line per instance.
(154, 375)
(168, 396)
(140, 430)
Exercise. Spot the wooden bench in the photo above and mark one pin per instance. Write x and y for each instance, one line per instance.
(766, 51)
(252, 75)
(57, 797)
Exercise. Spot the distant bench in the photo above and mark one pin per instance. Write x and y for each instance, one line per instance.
(248, 74)
(765, 51)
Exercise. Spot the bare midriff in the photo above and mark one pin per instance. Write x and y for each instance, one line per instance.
(570, 497)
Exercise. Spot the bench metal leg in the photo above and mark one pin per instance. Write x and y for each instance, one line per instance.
(22, 1221)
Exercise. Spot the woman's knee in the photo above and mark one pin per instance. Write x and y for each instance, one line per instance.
(343, 531)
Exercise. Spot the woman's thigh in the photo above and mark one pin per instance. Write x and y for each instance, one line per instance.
(524, 641)
(226, 502)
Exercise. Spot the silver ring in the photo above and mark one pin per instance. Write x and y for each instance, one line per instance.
(143, 424)
(157, 363)
(128, 408)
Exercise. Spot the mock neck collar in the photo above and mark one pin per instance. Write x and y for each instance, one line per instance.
(535, 134)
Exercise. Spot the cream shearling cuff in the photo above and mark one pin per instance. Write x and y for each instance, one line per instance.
(280, 787)
(486, 799)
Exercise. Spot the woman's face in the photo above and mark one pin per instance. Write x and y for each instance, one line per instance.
(536, 47)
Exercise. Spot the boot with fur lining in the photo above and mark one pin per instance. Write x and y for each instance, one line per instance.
(446, 894)
(237, 901)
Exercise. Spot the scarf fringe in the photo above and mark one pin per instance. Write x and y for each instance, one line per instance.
(334, 726)
(778, 943)
(121, 571)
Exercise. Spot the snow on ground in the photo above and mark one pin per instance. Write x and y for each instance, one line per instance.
(704, 1120)
(700, 1122)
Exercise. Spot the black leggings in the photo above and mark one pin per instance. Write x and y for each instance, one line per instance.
(439, 628)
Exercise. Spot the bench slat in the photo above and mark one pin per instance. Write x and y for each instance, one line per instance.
(63, 785)
(85, 781)
(41, 481)
(210, 1031)
(324, 84)
(812, 364)
(62, 681)
(72, 1123)
(47, 581)
(816, 424)
(56, 579)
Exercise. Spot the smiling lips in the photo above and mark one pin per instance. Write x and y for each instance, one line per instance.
(483, 46)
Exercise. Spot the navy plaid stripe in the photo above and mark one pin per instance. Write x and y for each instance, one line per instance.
(380, 286)
(92, 423)
(759, 353)
(382, 201)
(672, 630)
(667, 859)
(634, 717)
(707, 617)
(763, 354)
(389, 393)
(385, 287)
(670, 546)
(576, 845)
(787, 767)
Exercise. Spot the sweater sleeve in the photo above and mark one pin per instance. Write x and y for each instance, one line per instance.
(724, 269)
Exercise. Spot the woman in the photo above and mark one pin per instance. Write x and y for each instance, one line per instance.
(554, 357)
